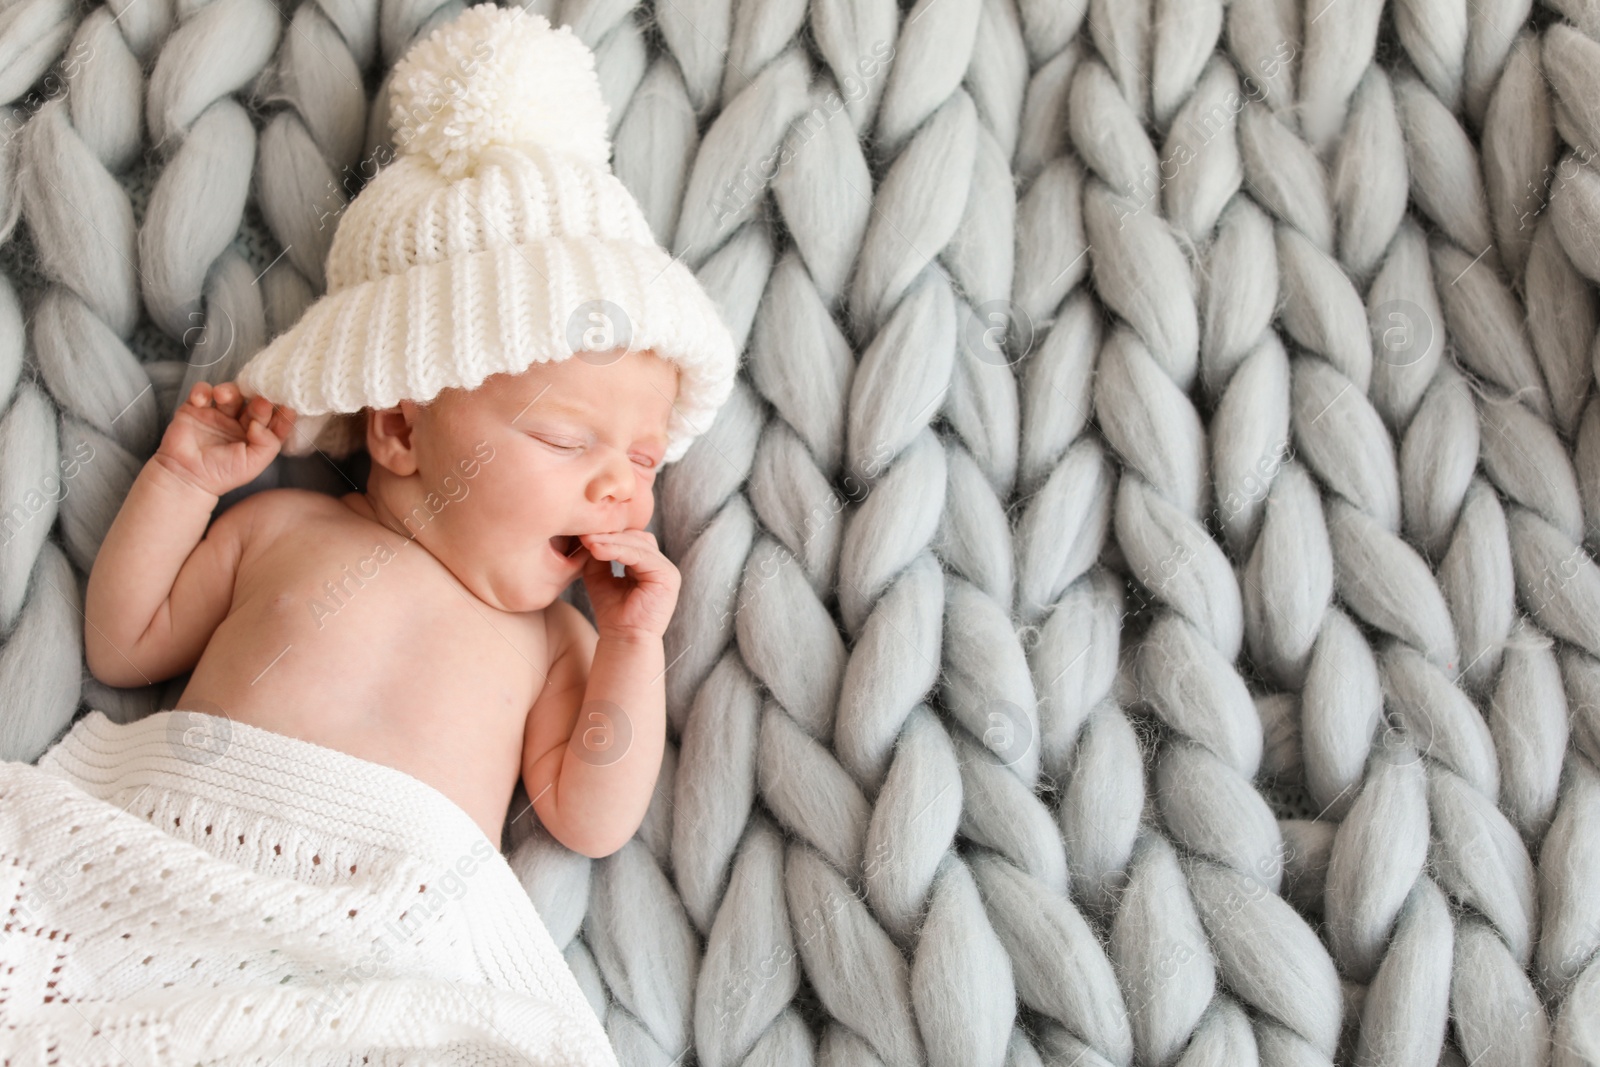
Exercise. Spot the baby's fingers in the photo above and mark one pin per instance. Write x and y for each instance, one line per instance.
(642, 558)
(230, 401)
(259, 440)
(282, 423)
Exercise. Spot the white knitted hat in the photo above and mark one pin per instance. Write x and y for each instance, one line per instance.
(497, 238)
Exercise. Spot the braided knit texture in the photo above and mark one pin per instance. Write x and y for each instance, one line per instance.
(1140, 602)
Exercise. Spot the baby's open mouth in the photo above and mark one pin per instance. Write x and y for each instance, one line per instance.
(564, 544)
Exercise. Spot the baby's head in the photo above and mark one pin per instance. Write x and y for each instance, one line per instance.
(466, 283)
(493, 480)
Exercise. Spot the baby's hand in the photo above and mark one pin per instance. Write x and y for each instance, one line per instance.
(216, 442)
(640, 605)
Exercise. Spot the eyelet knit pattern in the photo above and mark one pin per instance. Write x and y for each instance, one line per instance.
(247, 893)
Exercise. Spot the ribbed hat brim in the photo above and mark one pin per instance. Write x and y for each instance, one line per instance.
(491, 312)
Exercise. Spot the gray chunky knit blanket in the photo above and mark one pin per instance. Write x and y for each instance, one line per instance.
(1140, 604)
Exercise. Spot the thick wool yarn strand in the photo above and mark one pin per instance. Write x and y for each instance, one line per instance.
(731, 865)
(1399, 1016)
(1060, 971)
(1187, 924)
(312, 147)
(104, 414)
(948, 984)
(1069, 607)
(1560, 593)
(1524, 458)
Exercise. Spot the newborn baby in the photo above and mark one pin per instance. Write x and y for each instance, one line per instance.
(416, 624)
(504, 334)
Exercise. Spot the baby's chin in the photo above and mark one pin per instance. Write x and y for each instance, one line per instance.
(524, 596)
(523, 601)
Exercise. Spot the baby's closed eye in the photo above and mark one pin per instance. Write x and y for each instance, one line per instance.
(643, 459)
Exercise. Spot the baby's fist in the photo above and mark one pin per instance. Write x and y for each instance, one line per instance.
(217, 441)
(636, 606)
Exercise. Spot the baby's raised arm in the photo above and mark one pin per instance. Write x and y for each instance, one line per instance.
(157, 591)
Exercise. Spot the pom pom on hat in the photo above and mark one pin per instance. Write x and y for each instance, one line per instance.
(497, 76)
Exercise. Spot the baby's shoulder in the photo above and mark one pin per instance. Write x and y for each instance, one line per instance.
(265, 512)
(284, 501)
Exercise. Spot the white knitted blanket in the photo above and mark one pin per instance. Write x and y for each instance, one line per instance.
(184, 889)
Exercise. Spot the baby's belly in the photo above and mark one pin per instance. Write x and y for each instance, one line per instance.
(396, 684)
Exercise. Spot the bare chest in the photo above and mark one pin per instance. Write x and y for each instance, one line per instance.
(366, 646)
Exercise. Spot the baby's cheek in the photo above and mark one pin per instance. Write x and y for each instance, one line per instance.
(644, 507)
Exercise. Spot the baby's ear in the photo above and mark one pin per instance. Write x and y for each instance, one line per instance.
(389, 440)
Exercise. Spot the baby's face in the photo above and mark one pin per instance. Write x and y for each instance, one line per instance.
(560, 449)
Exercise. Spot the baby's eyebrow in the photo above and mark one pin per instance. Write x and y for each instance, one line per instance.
(555, 404)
